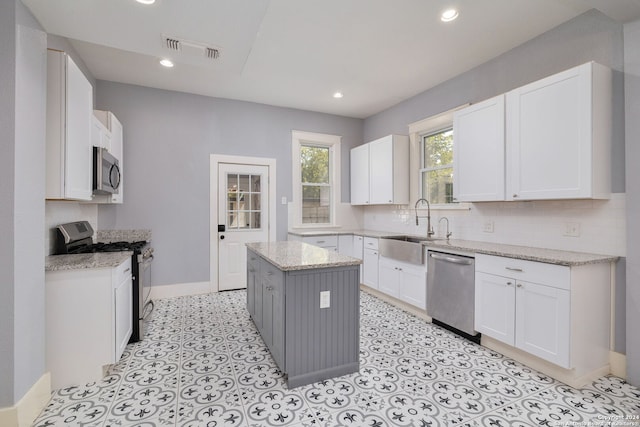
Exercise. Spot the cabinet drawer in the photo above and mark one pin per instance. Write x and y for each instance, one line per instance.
(273, 273)
(322, 241)
(557, 276)
(123, 272)
(371, 243)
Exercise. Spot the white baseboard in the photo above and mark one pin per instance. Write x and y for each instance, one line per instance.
(618, 364)
(23, 413)
(180, 290)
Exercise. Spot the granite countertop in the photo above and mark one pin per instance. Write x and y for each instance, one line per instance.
(85, 261)
(328, 232)
(109, 236)
(291, 256)
(550, 256)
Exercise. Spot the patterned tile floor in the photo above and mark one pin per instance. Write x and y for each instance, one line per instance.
(203, 363)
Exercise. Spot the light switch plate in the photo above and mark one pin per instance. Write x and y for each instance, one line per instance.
(325, 299)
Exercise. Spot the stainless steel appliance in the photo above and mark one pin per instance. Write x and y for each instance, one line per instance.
(106, 172)
(451, 292)
(77, 237)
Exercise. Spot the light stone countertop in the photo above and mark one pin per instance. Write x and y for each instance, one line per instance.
(329, 232)
(109, 236)
(85, 261)
(291, 256)
(550, 256)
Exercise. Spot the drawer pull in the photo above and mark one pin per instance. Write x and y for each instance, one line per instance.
(320, 241)
(519, 285)
(519, 270)
(269, 288)
(509, 283)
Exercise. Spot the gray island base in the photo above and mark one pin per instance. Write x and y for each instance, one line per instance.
(305, 302)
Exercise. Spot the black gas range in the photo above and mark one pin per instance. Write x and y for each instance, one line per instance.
(77, 238)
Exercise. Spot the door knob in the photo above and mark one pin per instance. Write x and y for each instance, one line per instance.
(222, 237)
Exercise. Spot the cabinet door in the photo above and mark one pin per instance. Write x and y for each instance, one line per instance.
(78, 152)
(370, 268)
(389, 277)
(278, 336)
(345, 244)
(549, 134)
(117, 150)
(358, 252)
(123, 296)
(495, 307)
(360, 175)
(381, 168)
(413, 285)
(478, 151)
(253, 283)
(543, 322)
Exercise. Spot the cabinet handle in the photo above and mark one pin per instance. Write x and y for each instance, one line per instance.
(519, 285)
(515, 195)
(128, 269)
(390, 201)
(269, 288)
(519, 270)
(400, 269)
(320, 241)
(509, 283)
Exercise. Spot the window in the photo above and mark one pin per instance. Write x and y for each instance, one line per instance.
(436, 169)
(315, 178)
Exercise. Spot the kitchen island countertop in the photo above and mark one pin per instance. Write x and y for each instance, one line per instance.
(290, 256)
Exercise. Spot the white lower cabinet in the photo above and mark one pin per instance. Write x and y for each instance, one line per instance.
(560, 314)
(358, 252)
(88, 321)
(370, 259)
(404, 281)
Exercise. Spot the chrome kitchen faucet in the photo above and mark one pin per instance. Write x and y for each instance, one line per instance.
(430, 231)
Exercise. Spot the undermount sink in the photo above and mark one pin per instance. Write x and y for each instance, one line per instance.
(404, 248)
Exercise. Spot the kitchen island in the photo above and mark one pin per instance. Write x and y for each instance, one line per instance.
(305, 302)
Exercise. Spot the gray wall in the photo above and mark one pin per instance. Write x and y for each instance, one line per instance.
(632, 111)
(591, 36)
(168, 138)
(22, 120)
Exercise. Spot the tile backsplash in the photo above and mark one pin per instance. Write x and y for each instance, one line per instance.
(596, 226)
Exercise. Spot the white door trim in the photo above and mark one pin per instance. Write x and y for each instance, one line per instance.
(215, 160)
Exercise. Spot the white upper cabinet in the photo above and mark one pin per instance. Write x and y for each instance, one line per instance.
(69, 122)
(113, 128)
(559, 136)
(380, 172)
(360, 175)
(478, 151)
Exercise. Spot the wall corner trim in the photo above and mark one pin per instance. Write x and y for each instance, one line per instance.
(23, 413)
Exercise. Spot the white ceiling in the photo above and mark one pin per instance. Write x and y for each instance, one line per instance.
(297, 53)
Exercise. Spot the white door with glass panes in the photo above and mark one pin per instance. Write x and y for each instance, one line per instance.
(242, 218)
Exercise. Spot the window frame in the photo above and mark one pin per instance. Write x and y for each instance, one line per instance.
(422, 168)
(417, 131)
(332, 142)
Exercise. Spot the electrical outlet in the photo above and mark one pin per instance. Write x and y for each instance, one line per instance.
(572, 229)
(325, 299)
(487, 227)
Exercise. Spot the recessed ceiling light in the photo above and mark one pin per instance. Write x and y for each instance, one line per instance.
(449, 15)
(146, 1)
(338, 95)
(166, 63)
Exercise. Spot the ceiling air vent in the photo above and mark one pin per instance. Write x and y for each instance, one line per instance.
(190, 47)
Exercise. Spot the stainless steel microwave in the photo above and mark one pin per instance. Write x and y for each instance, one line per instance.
(106, 172)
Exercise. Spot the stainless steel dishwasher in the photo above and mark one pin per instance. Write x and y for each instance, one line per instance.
(451, 292)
